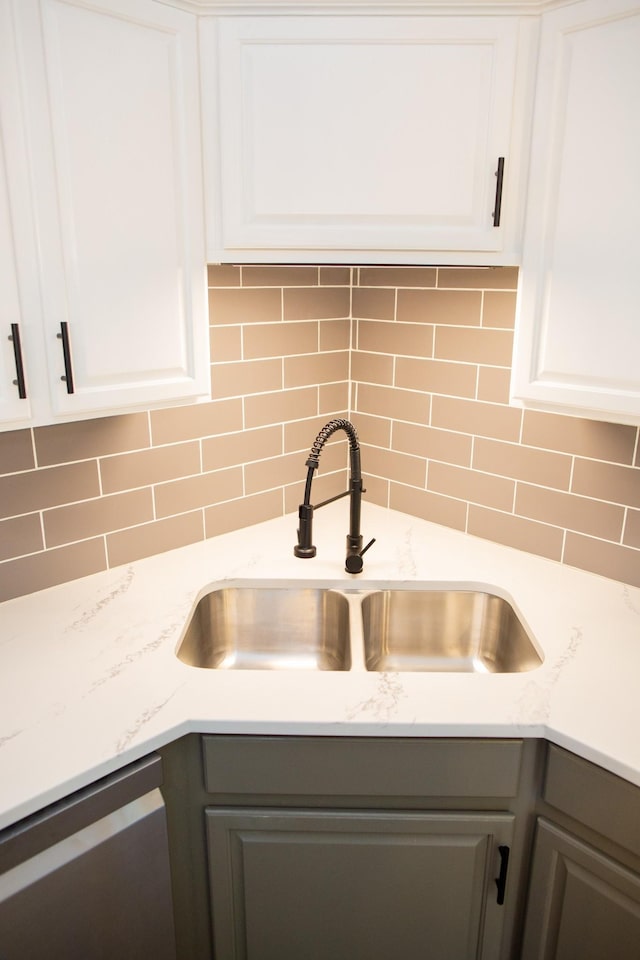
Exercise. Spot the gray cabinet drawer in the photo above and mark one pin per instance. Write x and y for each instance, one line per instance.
(360, 767)
(598, 799)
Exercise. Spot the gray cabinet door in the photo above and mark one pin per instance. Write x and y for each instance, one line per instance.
(582, 904)
(338, 885)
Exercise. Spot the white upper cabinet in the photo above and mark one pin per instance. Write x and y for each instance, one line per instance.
(110, 98)
(365, 139)
(578, 328)
(14, 404)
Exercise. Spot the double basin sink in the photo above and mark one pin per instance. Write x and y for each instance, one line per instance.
(331, 627)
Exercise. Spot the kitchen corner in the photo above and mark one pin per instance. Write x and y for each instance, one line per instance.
(91, 680)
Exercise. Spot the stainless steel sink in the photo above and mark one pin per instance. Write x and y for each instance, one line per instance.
(444, 630)
(266, 628)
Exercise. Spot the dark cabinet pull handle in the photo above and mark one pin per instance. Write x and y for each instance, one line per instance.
(19, 382)
(499, 181)
(501, 880)
(66, 353)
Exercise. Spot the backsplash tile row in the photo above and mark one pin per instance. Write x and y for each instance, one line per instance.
(418, 357)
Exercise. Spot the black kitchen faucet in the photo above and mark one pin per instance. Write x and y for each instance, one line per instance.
(304, 547)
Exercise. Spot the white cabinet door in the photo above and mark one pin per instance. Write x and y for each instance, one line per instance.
(364, 138)
(111, 100)
(14, 403)
(578, 327)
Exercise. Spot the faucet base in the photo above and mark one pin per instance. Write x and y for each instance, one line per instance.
(304, 552)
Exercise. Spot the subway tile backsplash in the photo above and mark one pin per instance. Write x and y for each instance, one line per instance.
(417, 357)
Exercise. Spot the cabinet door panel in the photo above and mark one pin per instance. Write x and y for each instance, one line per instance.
(331, 886)
(115, 154)
(364, 134)
(578, 336)
(582, 903)
(12, 407)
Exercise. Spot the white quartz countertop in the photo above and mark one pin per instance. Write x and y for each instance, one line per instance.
(89, 680)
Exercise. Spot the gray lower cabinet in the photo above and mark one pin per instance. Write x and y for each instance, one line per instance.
(88, 878)
(583, 905)
(322, 848)
(584, 890)
(334, 885)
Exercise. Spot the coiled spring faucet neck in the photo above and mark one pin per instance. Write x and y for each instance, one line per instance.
(304, 548)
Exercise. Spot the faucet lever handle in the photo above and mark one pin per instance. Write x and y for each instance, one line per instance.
(370, 544)
(354, 562)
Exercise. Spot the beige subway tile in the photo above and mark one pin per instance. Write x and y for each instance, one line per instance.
(84, 439)
(316, 368)
(335, 276)
(223, 275)
(333, 397)
(409, 339)
(225, 343)
(244, 378)
(428, 506)
(480, 278)
(567, 510)
(397, 276)
(245, 305)
(436, 376)
(376, 431)
(278, 340)
(321, 303)
(293, 496)
(499, 309)
(181, 496)
(372, 368)
(51, 567)
(278, 471)
(606, 559)
(614, 442)
(279, 276)
(607, 481)
(395, 466)
(80, 521)
(196, 420)
(481, 419)
(222, 518)
(474, 346)
(300, 434)
(511, 531)
(376, 490)
(470, 485)
(373, 304)
(393, 402)
(234, 449)
(494, 384)
(20, 535)
(148, 539)
(522, 463)
(432, 444)
(632, 529)
(335, 334)
(129, 470)
(48, 487)
(281, 406)
(460, 307)
(16, 451)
